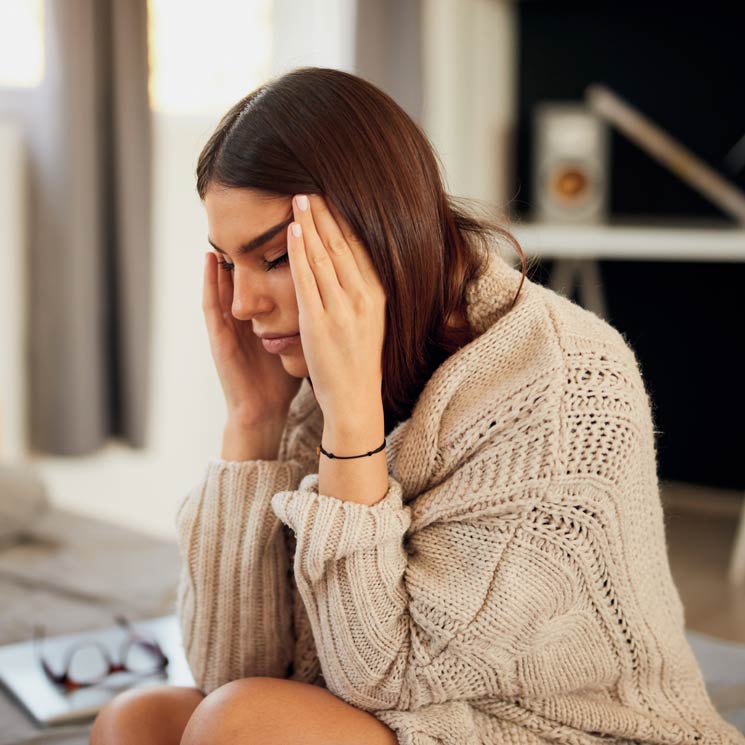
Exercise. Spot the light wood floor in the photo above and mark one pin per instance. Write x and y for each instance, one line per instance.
(700, 527)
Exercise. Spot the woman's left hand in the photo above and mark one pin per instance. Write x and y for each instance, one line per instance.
(341, 303)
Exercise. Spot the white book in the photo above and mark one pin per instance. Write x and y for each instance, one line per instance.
(49, 704)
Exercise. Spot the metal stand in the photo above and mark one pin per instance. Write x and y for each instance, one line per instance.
(584, 274)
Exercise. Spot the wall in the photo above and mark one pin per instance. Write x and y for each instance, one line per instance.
(469, 93)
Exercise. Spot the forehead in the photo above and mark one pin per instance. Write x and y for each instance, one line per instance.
(236, 216)
(227, 205)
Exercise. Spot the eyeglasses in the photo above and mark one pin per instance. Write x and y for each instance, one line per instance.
(87, 663)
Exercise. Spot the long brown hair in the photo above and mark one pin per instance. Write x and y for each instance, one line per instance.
(322, 130)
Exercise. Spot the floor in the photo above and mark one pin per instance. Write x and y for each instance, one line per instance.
(701, 524)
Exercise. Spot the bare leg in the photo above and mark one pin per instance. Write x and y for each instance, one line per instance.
(274, 711)
(154, 715)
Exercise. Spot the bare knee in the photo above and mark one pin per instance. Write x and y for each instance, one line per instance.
(272, 710)
(154, 714)
(230, 713)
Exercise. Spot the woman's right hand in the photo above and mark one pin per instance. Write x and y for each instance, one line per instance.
(257, 388)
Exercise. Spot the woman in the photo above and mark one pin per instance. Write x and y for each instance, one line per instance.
(435, 518)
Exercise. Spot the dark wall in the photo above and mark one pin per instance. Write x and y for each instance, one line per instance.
(685, 321)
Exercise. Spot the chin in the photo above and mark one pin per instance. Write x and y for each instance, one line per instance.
(295, 365)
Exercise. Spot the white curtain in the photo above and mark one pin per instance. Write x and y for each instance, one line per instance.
(88, 139)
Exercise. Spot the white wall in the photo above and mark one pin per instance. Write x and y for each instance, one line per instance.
(313, 32)
(469, 96)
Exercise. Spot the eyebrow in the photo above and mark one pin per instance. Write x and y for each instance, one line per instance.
(260, 240)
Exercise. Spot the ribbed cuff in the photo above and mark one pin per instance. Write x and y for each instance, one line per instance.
(329, 529)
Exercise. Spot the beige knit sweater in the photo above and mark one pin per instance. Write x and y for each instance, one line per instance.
(513, 584)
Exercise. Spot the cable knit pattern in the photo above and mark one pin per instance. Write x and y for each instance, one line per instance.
(512, 586)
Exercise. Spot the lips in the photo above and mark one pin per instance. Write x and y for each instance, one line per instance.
(279, 344)
(277, 336)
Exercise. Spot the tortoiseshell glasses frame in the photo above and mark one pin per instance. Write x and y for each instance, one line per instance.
(63, 679)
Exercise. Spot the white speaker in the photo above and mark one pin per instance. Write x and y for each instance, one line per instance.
(570, 164)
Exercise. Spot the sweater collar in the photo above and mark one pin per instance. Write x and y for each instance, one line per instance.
(421, 449)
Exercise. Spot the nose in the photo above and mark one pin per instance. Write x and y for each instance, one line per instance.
(248, 298)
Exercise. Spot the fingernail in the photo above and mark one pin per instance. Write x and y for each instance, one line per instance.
(302, 202)
(296, 229)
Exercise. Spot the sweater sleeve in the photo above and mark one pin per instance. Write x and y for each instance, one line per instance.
(386, 598)
(234, 600)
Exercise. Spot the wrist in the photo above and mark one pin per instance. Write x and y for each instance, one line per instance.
(356, 418)
(245, 423)
(257, 441)
(247, 417)
(353, 438)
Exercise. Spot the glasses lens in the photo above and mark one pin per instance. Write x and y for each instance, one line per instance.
(88, 664)
(141, 659)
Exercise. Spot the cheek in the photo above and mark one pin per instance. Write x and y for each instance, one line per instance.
(287, 292)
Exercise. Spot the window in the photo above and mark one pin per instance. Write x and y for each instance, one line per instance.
(21, 43)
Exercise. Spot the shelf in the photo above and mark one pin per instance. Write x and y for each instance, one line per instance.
(651, 241)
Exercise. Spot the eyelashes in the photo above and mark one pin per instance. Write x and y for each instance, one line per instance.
(268, 265)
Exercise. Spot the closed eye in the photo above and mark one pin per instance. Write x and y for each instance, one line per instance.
(276, 262)
(268, 265)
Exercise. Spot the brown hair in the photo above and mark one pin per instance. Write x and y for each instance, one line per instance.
(322, 130)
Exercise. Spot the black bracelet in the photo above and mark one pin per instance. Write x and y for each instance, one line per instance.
(320, 450)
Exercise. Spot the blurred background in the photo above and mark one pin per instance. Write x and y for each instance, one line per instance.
(610, 137)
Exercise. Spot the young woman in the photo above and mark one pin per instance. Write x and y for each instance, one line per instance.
(435, 517)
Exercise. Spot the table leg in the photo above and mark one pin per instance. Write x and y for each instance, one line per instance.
(585, 275)
(736, 573)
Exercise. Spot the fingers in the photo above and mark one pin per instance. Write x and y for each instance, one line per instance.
(333, 232)
(303, 277)
(225, 292)
(317, 255)
(359, 251)
(210, 299)
(335, 265)
(209, 295)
